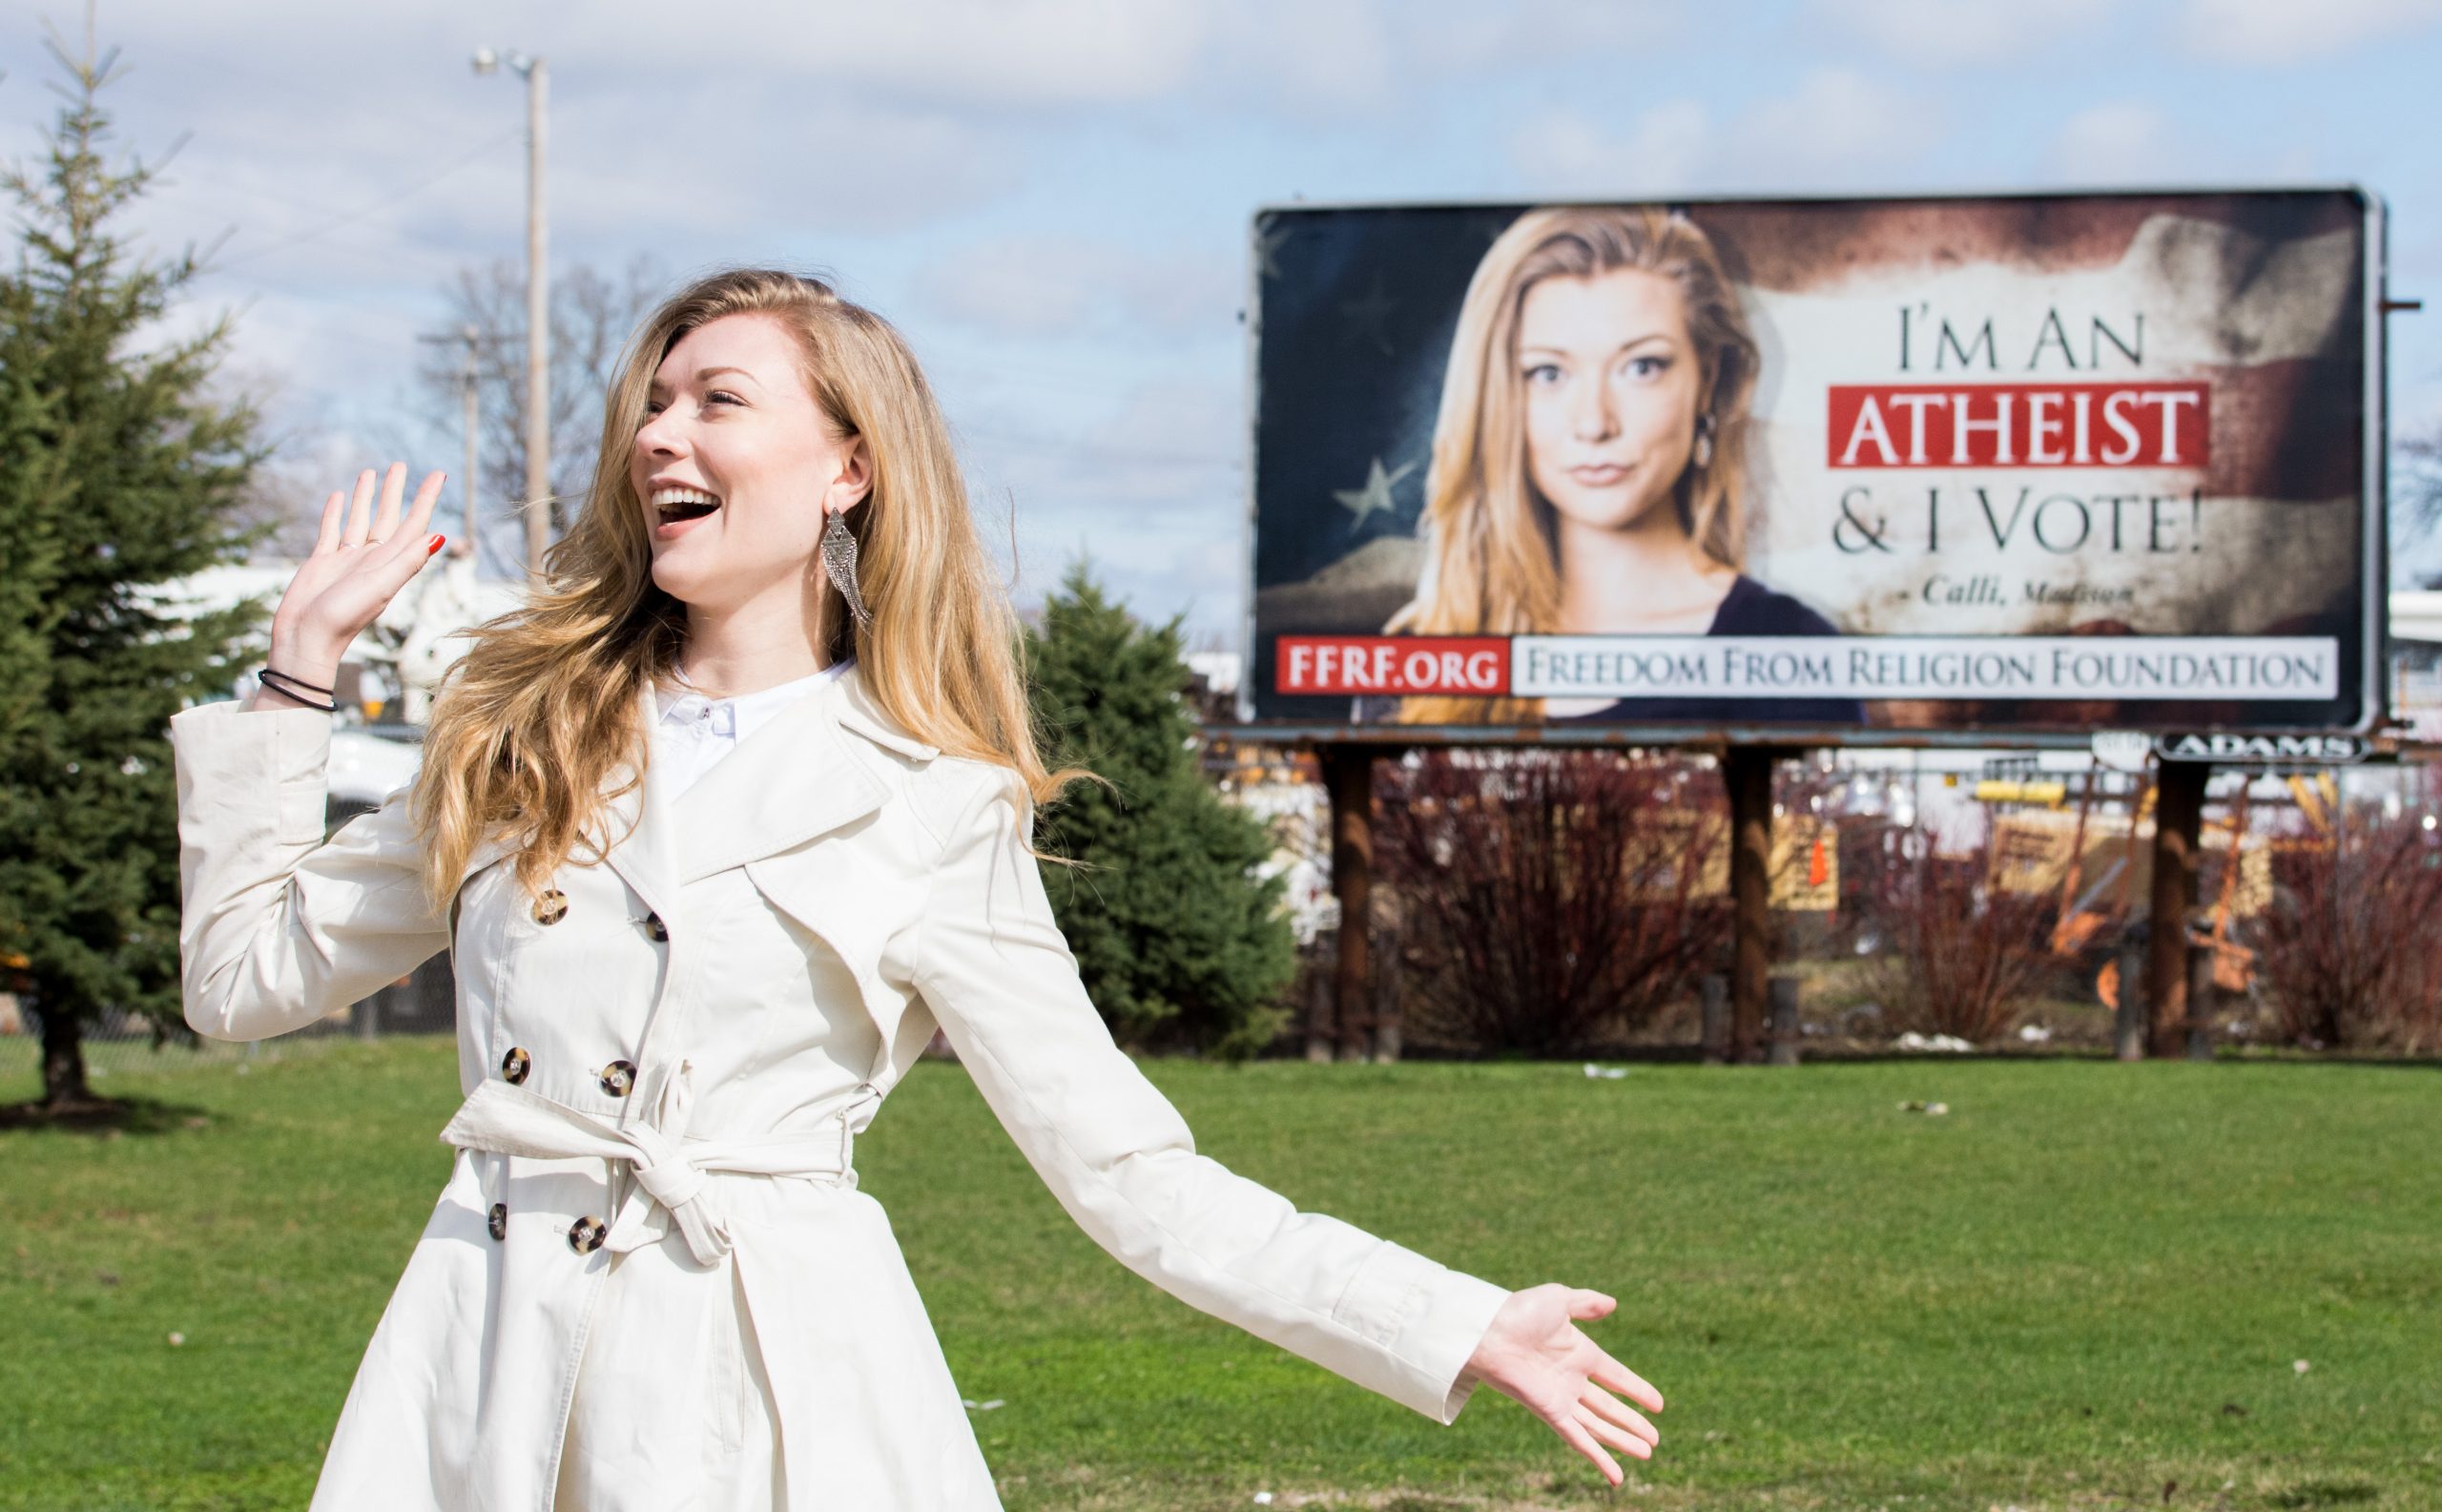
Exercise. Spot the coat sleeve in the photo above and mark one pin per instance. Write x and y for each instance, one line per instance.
(276, 926)
(998, 975)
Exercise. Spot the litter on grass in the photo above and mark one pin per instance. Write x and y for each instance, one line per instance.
(1950, 1044)
(1609, 1074)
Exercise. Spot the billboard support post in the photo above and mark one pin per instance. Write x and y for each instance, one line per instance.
(1348, 776)
(1715, 989)
(2179, 826)
(1387, 1025)
(2128, 1014)
(1321, 1014)
(1784, 1049)
(2200, 1002)
(1747, 773)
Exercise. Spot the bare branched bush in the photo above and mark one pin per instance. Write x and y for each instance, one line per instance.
(1956, 957)
(1551, 898)
(2350, 952)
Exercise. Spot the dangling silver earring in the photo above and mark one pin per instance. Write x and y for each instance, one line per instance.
(1704, 441)
(839, 565)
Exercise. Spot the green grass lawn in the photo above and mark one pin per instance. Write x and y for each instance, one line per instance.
(2087, 1282)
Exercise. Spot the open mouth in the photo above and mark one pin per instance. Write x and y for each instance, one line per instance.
(672, 504)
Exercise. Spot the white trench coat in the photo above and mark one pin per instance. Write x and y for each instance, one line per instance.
(666, 1063)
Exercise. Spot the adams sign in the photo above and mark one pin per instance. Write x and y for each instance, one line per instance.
(2267, 749)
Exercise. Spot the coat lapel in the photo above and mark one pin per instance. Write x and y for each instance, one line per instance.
(636, 823)
(790, 781)
(793, 779)
(642, 851)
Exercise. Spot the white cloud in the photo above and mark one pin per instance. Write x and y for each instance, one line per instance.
(1473, 35)
(1070, 287)
(1564, 151)
(1312, 57)
(2273, 32)
(1153, 444)
(1838, 124)
(1152, 488)
(1169, 420)
(980, 59)
(1941, 34)
(817, 164)
(1836, 128)
(2119, 142)
(986, 52)
(977, 56)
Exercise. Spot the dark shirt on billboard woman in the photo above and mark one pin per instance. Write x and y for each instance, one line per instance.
(1749, 608)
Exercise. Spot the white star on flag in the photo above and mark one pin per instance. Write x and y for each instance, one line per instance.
(1267, 244)
(1376, 495)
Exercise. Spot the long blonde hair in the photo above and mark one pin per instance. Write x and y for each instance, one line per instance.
(538, 716)
(1489, 535)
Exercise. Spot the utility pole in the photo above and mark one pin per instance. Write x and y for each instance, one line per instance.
(536, 504)
(538, 329)
(467, 481)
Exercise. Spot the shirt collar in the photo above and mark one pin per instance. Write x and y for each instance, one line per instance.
(687, 707)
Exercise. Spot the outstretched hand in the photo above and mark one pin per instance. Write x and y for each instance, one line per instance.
(366, 553)
(1534, 1351)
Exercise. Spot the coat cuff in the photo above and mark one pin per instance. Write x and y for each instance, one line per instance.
(227, 752)
(1427, 1316)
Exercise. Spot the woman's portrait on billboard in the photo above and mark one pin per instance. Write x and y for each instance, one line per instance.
(1589, 470)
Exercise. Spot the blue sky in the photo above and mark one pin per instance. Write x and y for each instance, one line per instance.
(1052, 196)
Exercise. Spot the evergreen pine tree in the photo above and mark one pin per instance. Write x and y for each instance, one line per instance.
(119, 470)
(1179, 940)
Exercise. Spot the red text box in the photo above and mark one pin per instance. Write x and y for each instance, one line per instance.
(2020, 425)
(1463, 666)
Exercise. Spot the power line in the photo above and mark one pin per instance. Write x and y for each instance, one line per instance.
(395, 197)
(252, 315)
(398, 264)
(254, 190)
(220, 68)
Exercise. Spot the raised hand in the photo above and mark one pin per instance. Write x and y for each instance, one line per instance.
(1534, 1351)
(364, 554)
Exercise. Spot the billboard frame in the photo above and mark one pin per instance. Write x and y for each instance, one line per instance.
(2374, 543)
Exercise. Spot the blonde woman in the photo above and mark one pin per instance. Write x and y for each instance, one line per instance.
(1589, 462)
(717, 830)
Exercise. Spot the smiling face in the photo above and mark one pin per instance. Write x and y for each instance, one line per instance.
(735, 463)
(1610, 382)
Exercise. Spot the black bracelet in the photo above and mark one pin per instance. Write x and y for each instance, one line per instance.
(281, 683)
(310, 687)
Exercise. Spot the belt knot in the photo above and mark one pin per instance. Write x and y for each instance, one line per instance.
(672, 1183)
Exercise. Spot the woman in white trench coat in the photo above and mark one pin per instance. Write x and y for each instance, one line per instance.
(717, 830)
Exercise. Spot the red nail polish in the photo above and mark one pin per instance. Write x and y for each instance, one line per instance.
(434, 545)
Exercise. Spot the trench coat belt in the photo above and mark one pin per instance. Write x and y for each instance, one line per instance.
(669, 1167)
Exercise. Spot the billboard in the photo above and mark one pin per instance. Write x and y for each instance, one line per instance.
(1852, 470)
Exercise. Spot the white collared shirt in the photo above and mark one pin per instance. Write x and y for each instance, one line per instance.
(694, 732)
